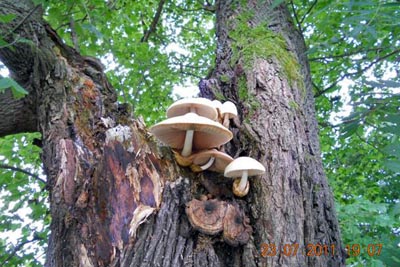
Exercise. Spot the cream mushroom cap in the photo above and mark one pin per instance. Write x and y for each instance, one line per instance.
(243, 167)
(221, 160)
(237, 166)
(218, 105)
(207, 133)
(230, 109)
(201, 106)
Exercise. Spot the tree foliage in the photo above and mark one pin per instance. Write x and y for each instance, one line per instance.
(149, 47)
(354, 63)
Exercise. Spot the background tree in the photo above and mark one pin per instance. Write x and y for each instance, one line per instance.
(137, 37)
(359, 124)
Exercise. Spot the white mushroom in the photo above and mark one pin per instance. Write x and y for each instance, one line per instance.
(243, 167)
(228, 111)
(201, 106)
(211, 159)
(191, 131)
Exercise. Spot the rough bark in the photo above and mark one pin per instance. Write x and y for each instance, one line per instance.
(292, 204)
(17, 116)
(118, 200)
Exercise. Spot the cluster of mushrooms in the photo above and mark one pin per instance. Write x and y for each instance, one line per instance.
(196, 129)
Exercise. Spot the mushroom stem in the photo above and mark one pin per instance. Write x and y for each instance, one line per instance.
(226, 121)
(243, 181)
(187, 147)
(208, 164)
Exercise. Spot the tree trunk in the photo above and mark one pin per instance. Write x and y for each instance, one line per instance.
(118, 199)
(262, 67)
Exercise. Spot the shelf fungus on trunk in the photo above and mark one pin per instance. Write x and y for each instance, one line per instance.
(213, 216)
(206, 216)
(237, 229)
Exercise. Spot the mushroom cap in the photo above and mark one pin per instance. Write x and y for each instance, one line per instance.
(207, 133)
(218, 105)
(206, 216)
(237, 166)
(229, 108)
(220, 163)
(203, 106)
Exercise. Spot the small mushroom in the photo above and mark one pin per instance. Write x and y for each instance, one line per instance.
(237, 229)
(212, 160)
(206, 216)
(243, 167)
(191, 130)
(201, 106)
(228, 111)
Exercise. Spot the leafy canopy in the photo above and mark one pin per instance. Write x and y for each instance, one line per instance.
(353, 53)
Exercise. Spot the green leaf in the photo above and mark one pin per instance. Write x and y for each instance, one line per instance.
(17, 90)
(393, 4)
(392, 165)
(25, 41)
(393, 118)
(2, 42)
(395, 210)
(349, 129)
(393, 149)
(7, 18)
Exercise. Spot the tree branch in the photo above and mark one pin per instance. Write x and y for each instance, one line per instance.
(368, 143)
(207, 6)
(298, 22)
(308, 11)
(346, 54)
(154, 23)
(17, 115)
(18, 247)
(74, 37)
(349, 74)
(316, 87)
(68, 23)
(12, 168)
(25, 18)
(191, 74)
